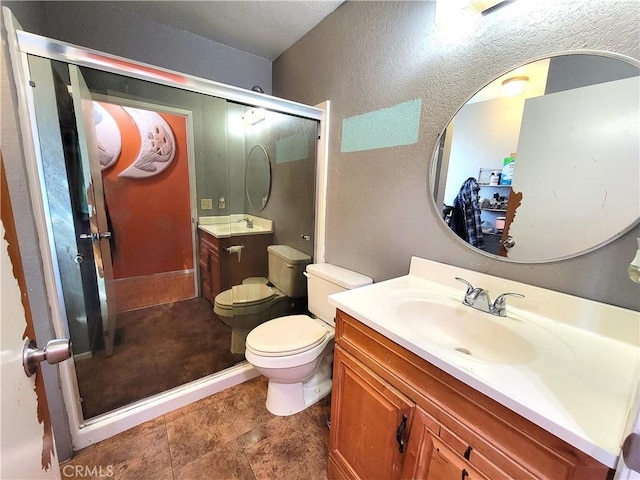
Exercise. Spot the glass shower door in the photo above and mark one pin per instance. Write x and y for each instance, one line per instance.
(65, 201)
(153, 216)
(99, 234)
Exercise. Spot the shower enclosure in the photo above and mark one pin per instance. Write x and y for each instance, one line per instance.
(128, 160)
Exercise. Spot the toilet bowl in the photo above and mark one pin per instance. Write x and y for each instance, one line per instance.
(244, 307)
(295, 352)
(306, 354)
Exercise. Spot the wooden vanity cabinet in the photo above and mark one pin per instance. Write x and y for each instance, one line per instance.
(452, 431)
(369, 408)
(209, 264)
(220, 270)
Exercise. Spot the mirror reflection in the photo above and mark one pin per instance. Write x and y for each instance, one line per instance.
(145, 189)
(257, 177)
(542, 163)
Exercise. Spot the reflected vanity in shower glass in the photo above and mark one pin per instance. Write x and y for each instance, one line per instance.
(129, 168)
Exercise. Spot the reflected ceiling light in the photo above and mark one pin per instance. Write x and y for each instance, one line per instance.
(514, 85)
(449, 13)
(253, 116)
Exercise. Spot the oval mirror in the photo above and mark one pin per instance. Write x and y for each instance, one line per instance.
(257, 177)
(543, 163)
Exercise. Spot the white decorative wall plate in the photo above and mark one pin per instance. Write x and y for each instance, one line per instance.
(108, 136)
(158, 144)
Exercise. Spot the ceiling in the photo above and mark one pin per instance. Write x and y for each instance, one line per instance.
(264, 28)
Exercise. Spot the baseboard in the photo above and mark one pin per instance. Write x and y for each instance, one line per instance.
(144, 291)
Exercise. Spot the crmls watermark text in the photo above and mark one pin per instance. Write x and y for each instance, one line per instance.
(81, 471)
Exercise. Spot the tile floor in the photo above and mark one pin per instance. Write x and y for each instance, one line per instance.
(229, 435)
(188, 341)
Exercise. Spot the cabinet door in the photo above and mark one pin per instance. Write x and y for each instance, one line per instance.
(429, 458)
(204, 262)
(370, 423)
(216, 273)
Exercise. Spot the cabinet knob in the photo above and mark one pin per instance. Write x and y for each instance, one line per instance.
(399, 432)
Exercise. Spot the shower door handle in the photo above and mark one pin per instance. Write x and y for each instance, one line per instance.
(95, 237)
(55, 351)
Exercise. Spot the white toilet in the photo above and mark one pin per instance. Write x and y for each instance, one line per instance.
(295, 352)
(244, 307)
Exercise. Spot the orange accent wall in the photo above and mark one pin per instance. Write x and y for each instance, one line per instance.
(150, 217)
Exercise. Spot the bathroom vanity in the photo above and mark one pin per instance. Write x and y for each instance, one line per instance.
(219, 268)
(420, 400)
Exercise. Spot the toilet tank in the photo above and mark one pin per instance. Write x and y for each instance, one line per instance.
(286, 270)
(324, 279)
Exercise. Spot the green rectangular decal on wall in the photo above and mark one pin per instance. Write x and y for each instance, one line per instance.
(290, 149)
(387, 127)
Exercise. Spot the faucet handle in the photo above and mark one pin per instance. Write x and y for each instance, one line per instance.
(500, 304)
(501, 298)
(470, 288)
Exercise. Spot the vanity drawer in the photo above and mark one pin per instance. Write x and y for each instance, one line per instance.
(504, 444)
(476, 453)
(446, 464)
(208, 241)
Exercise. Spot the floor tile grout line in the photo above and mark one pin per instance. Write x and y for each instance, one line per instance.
(244, 452)
(166, 433)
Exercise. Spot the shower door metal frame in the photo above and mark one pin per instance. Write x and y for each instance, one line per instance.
(21, 43)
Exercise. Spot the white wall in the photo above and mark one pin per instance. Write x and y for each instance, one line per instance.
(563, 160)
(484, 134)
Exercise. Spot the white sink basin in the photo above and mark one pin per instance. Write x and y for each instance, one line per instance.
(465, 333)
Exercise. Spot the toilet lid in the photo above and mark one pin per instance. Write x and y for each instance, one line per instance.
(244, 295)
(286, 336)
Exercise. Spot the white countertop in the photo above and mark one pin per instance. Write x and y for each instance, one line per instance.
(583, 396)
(232, 225)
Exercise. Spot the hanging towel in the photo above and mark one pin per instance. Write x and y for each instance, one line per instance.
(468, 224)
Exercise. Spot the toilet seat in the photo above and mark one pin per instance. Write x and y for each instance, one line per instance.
(285, 336)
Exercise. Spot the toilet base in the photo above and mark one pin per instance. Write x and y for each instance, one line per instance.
(285, 399)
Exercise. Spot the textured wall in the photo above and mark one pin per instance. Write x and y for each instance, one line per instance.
(291, 203)
(371, 55)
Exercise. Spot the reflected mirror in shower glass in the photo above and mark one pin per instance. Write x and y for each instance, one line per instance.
(258, 177)
(563, 154)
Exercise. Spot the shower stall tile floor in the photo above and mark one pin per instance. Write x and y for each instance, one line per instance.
(157, 348)
(229, 435)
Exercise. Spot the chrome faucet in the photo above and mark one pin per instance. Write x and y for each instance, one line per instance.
(248, 220)
(478, 298)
